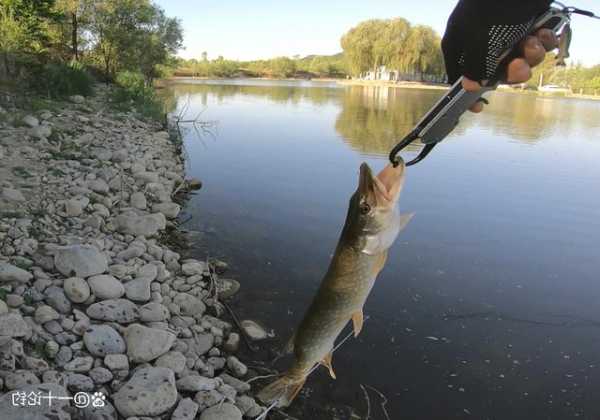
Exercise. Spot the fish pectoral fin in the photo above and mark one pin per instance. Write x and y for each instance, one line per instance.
(289, 347)
(357, 322)
(327, 363)
(404, 219)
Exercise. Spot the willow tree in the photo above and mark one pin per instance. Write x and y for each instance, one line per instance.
(395, 44)
(358, 45)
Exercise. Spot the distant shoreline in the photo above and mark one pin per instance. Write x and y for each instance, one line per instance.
(377, 83)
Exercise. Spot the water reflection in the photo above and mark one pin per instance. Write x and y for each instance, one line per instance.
(372, 119)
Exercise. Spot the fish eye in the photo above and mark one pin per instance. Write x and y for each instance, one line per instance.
(365, 208)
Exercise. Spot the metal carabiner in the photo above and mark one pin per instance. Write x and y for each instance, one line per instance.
(410, 137)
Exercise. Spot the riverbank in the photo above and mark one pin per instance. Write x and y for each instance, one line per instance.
(92, 298)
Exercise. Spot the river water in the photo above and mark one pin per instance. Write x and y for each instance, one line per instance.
(488, 307)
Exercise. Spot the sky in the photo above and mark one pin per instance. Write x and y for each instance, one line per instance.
(246, 30)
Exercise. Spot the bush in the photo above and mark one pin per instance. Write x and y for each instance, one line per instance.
(132, 90)
(60, 80)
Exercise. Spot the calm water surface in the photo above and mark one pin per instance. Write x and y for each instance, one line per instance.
(488, 307)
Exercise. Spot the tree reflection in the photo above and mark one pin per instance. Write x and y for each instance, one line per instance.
(373, 119)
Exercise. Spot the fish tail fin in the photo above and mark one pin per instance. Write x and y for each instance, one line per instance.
(282, 391)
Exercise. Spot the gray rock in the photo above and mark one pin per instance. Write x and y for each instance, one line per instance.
(248, 406)
(201, 343)
(77, 99)
(138, 200)
(80, 260)
(225, 411)
(78, 382)
(147, 225)
(153, 312)
(145, 177)
(190, 305)
(41, 131)
(254, 330)
(64, 355)
(238, 368)
(239, 386)
(45, 313)
(12, 324)
(76, 289)
(58, 410)
(10, 273)
(173, 360)
(117, 310)
(138, 289)
(3, 307)
(106, 412)
(80, 364)
(207, 399)
(73, 208)
(195, 383)
(149, 392)
(12, 195)
(186, 410)
(98, 186)
(227, 287)
(20, 379)
(102, 340)
(116, 362)
(194, 267)
(101, 375)
(55, 297)
(146, 344)
(31, 121)
(233, 343)
(170, 210)
(105, 286)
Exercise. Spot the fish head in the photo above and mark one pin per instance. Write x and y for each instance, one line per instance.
(373, 214)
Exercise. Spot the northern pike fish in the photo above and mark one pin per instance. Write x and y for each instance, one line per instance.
(564, 45)
(372, 224)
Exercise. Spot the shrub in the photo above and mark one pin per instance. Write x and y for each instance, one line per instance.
(132, 90)
(59, 80)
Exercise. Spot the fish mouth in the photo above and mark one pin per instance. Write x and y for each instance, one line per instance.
(383, 189)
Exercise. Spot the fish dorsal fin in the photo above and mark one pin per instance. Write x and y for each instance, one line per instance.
(327, 363)
(357, 322)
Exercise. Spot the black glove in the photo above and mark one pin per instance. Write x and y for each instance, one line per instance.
(479, 31)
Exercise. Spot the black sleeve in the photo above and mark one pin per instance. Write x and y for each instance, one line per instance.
(479, 31)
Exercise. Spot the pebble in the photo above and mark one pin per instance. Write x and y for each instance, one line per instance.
(195, 383)
(225, 411)
(238, 368)
(76, 289)
(105, 286)
(116, 362)
(10, 273)
(102, 340)
(150, 392)
(146, 344)
(173, 360)
(80, 260)
(118, 310)
(186, 410)
(254, 330)
(12, 324)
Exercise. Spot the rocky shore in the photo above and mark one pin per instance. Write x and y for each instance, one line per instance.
(92, 301)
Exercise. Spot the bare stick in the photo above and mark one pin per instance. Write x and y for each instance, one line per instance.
(262, 377)
(384, 401)
(368, 400)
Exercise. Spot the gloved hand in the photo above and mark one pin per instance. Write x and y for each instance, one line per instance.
(479, 31)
